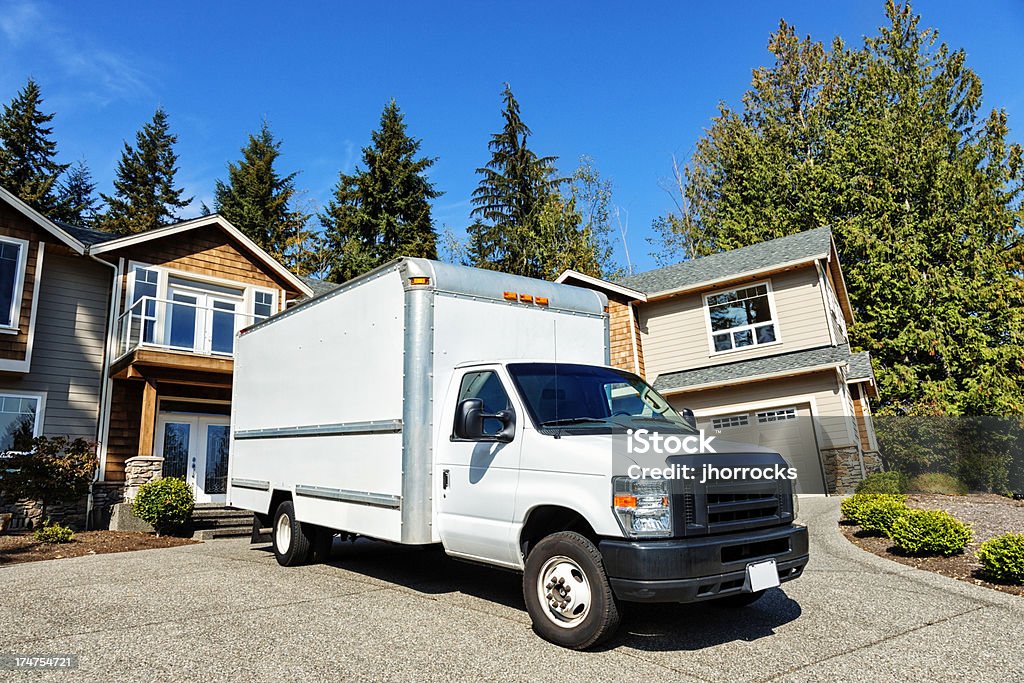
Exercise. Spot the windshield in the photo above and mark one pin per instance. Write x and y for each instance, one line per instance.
(558, 394)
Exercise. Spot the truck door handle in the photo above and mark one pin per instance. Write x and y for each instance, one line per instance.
(445, 479)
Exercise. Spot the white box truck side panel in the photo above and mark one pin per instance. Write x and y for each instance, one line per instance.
(318, 406)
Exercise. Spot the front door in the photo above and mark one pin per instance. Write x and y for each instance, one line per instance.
(202, 322)
(478, 479)
(195, 448)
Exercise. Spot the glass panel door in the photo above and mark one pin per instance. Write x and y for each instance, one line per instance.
(175, 444)
(216, 475)
(222, 326)
(181, 332)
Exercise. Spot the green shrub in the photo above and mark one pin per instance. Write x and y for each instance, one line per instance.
(165, 503)
(856, 507)
(938, 482)
(880, 514)
(51, 532)
(930, 532)
(892, 483)
(1003, 557)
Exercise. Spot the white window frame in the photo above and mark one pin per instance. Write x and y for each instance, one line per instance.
(40, 396)
(19, 284)
(772, 415)
(771, 308)
(742, 420)
(251, 307)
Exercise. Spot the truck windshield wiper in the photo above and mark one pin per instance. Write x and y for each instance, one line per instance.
(572, 421)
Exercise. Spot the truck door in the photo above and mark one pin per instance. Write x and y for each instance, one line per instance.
(477, 480)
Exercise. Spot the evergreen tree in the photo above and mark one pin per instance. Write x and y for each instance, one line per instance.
(886, 143)
(28, 167)
(383, 211)
(76, 199)
(257, 200)
(145, 196)
(517, 187)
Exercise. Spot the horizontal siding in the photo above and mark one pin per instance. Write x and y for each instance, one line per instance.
(67, 354)
(833, 423)
(675, 332)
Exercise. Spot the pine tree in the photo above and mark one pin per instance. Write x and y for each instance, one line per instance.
(76, 199)
(27, 152)
(144, 193)
(383, 211)
(516, 189)
(257, 200)
(886, 143)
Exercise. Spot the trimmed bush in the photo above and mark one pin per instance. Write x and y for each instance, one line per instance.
(856, 507)
(938, 482)
(1003, 557)
(881, 513)
(167, 504)
(891, 483)
(930, 532)
(51, 532)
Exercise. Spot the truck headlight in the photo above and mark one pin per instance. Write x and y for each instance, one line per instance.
(643, 506)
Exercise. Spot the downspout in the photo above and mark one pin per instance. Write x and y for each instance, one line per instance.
(105, 382)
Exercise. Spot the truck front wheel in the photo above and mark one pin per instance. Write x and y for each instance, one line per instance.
(567, 592)
(291, 543)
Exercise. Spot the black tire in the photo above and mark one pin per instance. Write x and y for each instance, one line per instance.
(297, 541)
(559, 553)
(739, 599)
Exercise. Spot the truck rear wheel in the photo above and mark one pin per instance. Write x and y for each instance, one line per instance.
(567, 592)
(291, 543)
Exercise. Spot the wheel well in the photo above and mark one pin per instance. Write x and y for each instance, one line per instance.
(548, 519)
(276, 499)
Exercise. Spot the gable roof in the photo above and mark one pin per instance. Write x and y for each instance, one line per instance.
(318, 286)
(215, 220)
(801, 247)
(86, 236)
(793, 363)
(43, 222)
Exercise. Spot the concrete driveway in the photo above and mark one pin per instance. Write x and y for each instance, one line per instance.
(225, 611)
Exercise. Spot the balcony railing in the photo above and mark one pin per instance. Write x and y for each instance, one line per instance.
(181, 326)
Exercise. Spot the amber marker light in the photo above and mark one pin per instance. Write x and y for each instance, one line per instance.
(541, 301)
(526, 298)
(419, 281)
(625, 501)
(511, 296)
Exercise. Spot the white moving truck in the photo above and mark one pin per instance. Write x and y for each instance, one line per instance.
(429, 403)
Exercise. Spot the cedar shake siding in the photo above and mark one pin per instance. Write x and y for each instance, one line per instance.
(624, 337)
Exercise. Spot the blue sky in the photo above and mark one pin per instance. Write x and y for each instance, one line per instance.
(629, 84)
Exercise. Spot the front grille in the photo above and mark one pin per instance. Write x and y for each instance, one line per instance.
(742, 506)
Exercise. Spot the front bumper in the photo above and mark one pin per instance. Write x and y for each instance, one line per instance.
(701, 568)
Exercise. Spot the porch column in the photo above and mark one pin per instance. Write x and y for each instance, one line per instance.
(147, 423)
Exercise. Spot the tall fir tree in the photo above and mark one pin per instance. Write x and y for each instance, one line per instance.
(382, 211)
(516, 189)
(28, 166)
(259, 201)
(145, 196)
(888, 144)
(77, 203)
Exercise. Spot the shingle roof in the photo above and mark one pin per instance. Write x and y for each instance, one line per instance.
(795, 361)
(801, 245)
(318, 286)
(860, 366)
(86, 236)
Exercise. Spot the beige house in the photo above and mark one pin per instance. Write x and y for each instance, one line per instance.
(754, 341)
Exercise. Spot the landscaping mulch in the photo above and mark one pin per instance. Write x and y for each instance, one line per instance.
(23, 547)
(988, 514)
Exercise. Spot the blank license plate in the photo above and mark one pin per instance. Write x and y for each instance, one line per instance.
(762, 575)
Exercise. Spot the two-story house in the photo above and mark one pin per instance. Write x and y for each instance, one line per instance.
(754, 341)
(127, 341)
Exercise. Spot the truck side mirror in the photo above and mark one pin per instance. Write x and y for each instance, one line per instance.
(688, 417)
(470, 419)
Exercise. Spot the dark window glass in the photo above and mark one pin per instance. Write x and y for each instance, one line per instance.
(10, 257)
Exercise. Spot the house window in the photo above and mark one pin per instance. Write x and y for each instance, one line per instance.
(13, 254)
(741, 317)
(263, 306)
(728, 421)
(780, 415)
(19, 421)
(144, 314)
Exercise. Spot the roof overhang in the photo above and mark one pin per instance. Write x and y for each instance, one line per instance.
(838, 281)
(215, 220)
(42, 222)
(570, 276)
(751, 378)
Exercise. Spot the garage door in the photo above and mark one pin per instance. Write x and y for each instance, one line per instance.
(786, 429)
